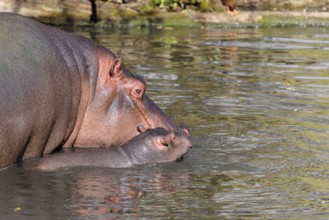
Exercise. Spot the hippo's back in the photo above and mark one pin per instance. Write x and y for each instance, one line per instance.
(36, 85)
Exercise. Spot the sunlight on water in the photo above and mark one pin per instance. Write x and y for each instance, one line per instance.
(257, 104)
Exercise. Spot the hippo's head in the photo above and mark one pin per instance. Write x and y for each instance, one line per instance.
(157, 145)
(118, 106)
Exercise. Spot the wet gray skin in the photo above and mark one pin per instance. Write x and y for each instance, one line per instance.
(62, 90)
(151, 146)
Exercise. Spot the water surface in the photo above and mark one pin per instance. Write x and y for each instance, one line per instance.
(256, 101)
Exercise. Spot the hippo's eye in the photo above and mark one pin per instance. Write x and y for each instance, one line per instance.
(138, 93)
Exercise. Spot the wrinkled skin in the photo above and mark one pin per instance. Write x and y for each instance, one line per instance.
(58, 89)
(153, 146)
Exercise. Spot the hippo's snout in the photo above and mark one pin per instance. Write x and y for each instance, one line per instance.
(184, 129)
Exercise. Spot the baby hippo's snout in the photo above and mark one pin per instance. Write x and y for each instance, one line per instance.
(161, 145)
(182, 139)
(180, 144)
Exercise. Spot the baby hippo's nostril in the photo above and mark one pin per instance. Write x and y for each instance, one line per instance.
(187, 142)
(189, 145)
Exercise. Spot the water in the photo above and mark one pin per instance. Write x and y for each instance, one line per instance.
(256, 101)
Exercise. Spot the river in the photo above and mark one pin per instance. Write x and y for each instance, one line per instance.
(256, 101)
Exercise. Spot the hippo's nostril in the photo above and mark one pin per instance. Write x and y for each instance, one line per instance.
(141, 129)
(185, 129)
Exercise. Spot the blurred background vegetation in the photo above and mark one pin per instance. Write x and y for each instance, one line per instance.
(215, 5)
(73, 11)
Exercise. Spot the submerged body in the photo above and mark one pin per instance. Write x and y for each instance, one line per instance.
(152, 146)
(59, 89)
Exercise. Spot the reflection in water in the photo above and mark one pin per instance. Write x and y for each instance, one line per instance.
(90, 193)
(107, 195)
(100, 193)
(256, 101)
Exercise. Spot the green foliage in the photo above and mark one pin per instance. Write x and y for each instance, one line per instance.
(177, 5)
(165, 3)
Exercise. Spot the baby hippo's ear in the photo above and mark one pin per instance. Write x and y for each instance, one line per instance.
(116, 68)
(166, 140)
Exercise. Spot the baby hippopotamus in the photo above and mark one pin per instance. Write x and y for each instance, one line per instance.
(151, 146)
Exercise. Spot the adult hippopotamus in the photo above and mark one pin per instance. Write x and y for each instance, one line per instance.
(59, 89)
(152, 146)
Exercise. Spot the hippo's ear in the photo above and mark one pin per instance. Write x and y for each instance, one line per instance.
(116, 68)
